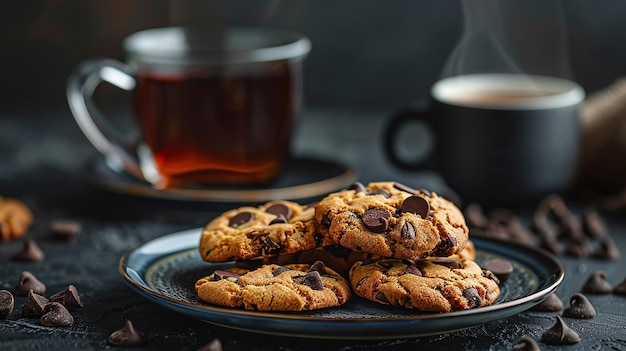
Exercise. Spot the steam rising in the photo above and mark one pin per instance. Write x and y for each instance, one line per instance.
(511, 37)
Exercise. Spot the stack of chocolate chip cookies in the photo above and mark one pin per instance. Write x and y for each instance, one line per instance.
(384, 242)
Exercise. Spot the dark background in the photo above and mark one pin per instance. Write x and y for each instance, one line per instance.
(366, 53)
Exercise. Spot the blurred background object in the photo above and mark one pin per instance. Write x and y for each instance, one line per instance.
(366, 53)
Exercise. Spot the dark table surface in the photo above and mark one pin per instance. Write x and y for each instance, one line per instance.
(42, 154)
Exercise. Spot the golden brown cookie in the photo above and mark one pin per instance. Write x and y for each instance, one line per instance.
(296, 287)
(392, 220)
(275, 228)
(433, 285)
(15, 218)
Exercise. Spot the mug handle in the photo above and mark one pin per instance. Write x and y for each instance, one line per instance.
(81, 85)
(395, 124)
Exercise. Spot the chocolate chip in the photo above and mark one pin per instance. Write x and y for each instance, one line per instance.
(500, 267)
(27, 282)
(128, 336)
(34, 305)
(318, 266)
(241, 218)
(56, 315)
(325, 220)
(597, 284)
(280, 219)
(579, 307)
(620, 289)
(593, 224)
(475, 216)
(607, 250)
(417, 205)
(408, 231)
(65, 229)
(404, 188)
(220, 274)
(490, 275)
(472, 297)
(381, 297)
(526, 343)
(552, 303)
(376, 219)
(448, 262)
(445, 247)
(410, 269)
(7, 302)
(357, 187)
(560, 333)
(577, 247)
(313, 280)
(213, 345)
(280, 270)
(382, 192)
(30, 252)
(68, 297)
(269, 246)
(280, 210)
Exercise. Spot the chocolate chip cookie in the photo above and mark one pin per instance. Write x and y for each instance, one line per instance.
(296, 287)
(432, 285)
(15, 218)
(275, 228)
(392, 220)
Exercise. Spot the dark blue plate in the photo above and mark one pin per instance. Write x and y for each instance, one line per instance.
(165, 270)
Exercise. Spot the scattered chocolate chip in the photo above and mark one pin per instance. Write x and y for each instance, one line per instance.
(65, 229)
(28, 282)
(597, 284)
(500, 267)
(56, 315)
(213, 345)
(560, 333)
(68, 297)
(578, 247)
(526, 343)
(313, 280)
(475, 216)
(448, 262)
(417, 205)
(593, 224)
(318, 266)
(376, 219)
(607, 250)
(280, 219)
(241, 218)
(408, 231)
(280, 270)
(472, 297)
(7, 302)
(128, 336)
(280, 210)
(30, 252)
(404, 188)
(34, 305)
(220, 274)
(579, 307)
(552, 303)
(357, 187)
(620, 289)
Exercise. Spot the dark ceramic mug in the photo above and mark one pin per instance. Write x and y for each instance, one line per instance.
(497, 139)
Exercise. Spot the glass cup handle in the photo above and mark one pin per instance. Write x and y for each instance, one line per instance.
(81, 86)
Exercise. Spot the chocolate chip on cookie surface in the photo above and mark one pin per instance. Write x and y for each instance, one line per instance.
(296, 287)
(432, 285)
(393, 220)
(275, 228)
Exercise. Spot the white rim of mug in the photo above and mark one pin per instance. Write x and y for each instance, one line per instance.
(156, 46)
(562, 92)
